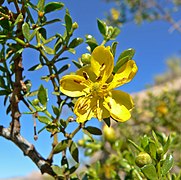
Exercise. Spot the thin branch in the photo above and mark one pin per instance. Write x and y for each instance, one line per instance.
(28, 149)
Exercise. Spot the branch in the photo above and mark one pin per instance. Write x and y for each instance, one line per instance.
(29, 150)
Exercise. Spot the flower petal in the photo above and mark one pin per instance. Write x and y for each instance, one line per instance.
(74, 85)
(119, 105)
(87, 73)
(84, 109)
(102, 62)
(124, 75)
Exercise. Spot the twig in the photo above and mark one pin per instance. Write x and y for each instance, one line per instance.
(29, 150)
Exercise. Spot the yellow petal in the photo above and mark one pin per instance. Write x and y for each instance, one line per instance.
(87, 72)
(119, 104)
(84, 109)
(74, 85)
(124, 75)
(102, 62)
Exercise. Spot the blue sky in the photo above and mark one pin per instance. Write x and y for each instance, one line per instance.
(152, 42)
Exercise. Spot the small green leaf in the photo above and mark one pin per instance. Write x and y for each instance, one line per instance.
(56, 110)
(63, 68)
(88, 134)
(74, 151)
(73, 168)
(48, 50)
(91, 41)
(93, 130)
(113, 48)
(102, 27)
(58, 171)
(167, 145)
(72, 50)
(61, 146)
(115, 33)
(123, 58)
(53, 6)
(167, 164)
(18, 19)
(41, 4)
(2, 82)
(78, 65)
(149, 171)
(35, 67)
(75, 42)
(68, 21)
(42, 95)
(26, 31)
(152, 149)
(4, 92)
(44, 119)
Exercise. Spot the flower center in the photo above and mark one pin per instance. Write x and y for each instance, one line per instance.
(99, 89)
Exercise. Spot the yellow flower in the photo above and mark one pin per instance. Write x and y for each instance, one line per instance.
(115, 14)
(94, 85)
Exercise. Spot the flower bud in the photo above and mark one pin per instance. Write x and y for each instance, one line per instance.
(75, 25)
(142, 159)
(35, 102)
(109, 134)
(85, 58)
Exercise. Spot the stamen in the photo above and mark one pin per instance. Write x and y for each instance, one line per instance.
(109, 104)
(102, 67)
(86, 76)
(77, 81)
(99, 78)
(122, 80)
(104, 86)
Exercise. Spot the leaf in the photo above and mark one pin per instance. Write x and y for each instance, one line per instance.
(149, 171)
(93, 130)
(26, 31)
(102, 27)
(75, 42)
(63, 68)
(72, 50)
(43, 32)
(115, 33)
(152, 148)
(56, 110)
(113, 48)
(167, 164)
(167, 145)
(48, 50)
(78, 65)
(2, 82)
(58, 171)
(123, 58)
(68, 21)
(53, 6)
(44, 119)
(73, 168)
(4, 92)
(35, 67)
(74, 151)
(42, 95)
(18, 19)
(61, 146)
(41, 4)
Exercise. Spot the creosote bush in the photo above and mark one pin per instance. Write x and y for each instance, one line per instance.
(89, 93)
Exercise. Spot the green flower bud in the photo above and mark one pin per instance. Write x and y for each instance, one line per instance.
(35, 102)
(142, 159)
(109, 134)
(85, 58)
(75, 25)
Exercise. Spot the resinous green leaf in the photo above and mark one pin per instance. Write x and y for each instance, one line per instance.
(35, 67)
(74, 151)
(93, 130)
(113, 48)
(26, 31)
(56, 110)
(68, 22)
(102, 27)
(58, 171)
(115, 33)
(41, 4)
(61, 146)
(2, 82)
(149, 171)
(63, 68)
(42, 95)
(75, 42)
(48, 50)
(18, 19)
(167, 164)
(123, 58)
(53, 6)
(44, 119)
